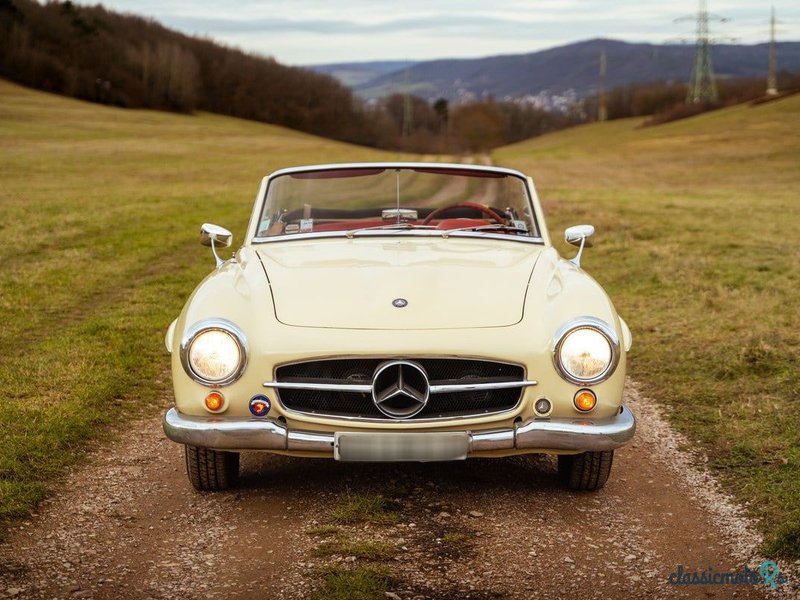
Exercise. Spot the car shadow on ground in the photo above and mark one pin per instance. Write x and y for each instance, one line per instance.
(477, 475)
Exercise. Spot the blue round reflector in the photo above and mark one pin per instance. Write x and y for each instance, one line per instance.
(259, 406)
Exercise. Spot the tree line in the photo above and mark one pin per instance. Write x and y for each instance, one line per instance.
(95, 54)
(420, 126)
(665, 102)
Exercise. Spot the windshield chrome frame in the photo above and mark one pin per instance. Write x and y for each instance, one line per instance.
(261, 200)
(399, 233)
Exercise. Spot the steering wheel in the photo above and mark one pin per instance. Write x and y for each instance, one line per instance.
(480, 207)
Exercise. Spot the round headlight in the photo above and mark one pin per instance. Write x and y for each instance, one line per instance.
(214, 352)
(586, 351)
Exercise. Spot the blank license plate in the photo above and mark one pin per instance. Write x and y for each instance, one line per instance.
(397, 447)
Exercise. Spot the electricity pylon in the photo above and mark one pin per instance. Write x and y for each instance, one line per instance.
(703, 87)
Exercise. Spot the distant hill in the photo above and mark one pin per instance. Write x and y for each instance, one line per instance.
(570, 70)
(354, 74)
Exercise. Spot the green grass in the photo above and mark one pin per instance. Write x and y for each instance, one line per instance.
(364, 508)
(101, 215)
(351, 513)
(342, 546)
(323, 530)
(456, 538)
(356, 583)
(697, 222)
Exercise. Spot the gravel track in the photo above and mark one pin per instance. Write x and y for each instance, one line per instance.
(129, 525)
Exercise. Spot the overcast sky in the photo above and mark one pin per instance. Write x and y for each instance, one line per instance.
(303, 32)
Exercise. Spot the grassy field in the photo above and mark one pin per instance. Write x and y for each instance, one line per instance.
(101, 210)
(696, 223)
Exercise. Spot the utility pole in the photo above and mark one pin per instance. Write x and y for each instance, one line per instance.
(703, 87)
(602, 104)
(408, 109)
(772, 77)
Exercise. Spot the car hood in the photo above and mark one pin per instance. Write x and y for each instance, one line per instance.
(354, 283)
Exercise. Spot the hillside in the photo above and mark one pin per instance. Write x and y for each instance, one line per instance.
(95, 54)
(570, 71)
(695, 221)
(101, 215)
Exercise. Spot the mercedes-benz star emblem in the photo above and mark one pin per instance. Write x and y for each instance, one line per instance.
(399, 302)
(400, 388)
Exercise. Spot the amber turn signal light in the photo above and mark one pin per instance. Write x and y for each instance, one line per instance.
(215, 401)
(585, 400)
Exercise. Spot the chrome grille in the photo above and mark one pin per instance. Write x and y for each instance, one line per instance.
(349, 381)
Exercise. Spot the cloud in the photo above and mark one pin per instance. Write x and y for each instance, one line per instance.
(459, 24)
(309, 31)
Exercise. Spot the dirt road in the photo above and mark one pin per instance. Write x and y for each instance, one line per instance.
(128, 525)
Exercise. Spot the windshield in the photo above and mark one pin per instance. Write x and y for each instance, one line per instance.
(377, 200)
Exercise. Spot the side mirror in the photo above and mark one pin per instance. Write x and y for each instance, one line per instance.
(215, 236)
(581, 236)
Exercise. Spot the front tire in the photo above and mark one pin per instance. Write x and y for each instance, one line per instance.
(211, 470)
(588, 471)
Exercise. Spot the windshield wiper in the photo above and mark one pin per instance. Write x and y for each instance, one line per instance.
(352, 232)
(490, 227)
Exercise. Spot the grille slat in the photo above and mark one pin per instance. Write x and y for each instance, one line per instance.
(439, 370)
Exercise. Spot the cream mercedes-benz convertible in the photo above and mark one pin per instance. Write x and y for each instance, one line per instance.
(398, 312)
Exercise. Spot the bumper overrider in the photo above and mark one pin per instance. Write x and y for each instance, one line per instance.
(563, 434)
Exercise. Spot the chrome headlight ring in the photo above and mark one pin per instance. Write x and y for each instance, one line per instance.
(212, 325)
(592, 324)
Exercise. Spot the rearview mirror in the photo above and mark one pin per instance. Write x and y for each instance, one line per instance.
(215, 236)
(578, 235)
(581, 236)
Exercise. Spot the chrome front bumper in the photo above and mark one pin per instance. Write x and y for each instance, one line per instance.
(268, 434)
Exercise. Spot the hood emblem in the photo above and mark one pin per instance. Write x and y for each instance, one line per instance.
(399, 302)
(400, 388)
